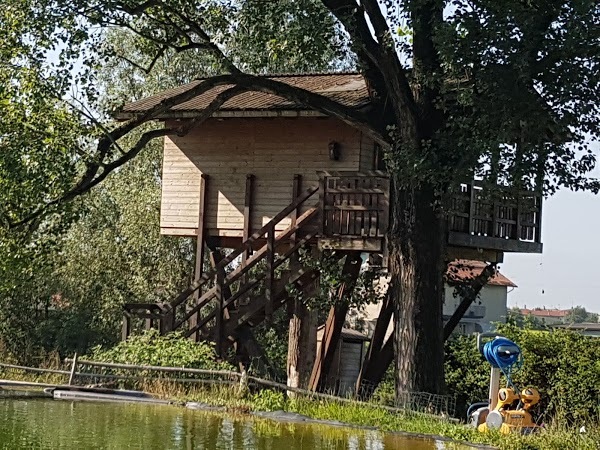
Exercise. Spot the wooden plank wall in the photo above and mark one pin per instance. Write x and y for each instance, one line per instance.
(226, 150)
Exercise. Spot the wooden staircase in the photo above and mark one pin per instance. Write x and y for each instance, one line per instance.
(244, 287)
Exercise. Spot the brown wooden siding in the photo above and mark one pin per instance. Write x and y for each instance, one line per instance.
(367, 154)
(273, 150)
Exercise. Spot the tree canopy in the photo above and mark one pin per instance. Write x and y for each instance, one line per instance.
(506, 91)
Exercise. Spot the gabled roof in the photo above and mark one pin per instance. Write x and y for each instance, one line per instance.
(462, 270)
(349, 89)
(543, 312)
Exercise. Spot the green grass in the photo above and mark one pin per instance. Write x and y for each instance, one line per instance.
(553, 437)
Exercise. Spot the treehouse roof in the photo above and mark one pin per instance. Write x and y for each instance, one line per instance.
(349, 89)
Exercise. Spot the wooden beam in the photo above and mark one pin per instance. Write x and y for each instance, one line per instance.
(470, 292)
(248, 200)
(335, 322)
(368, 377)
(492, 243)
(377, 368)
(475, 254)
(270, 274)
(198, 265)
(220, 345)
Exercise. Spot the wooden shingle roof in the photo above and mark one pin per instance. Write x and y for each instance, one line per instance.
(349, 89)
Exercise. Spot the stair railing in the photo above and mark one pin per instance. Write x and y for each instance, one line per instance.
(169, 312)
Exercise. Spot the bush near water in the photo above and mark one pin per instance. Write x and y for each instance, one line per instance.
(152, 349)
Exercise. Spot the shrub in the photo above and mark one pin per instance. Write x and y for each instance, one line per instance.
(268, 400)
(152, 349)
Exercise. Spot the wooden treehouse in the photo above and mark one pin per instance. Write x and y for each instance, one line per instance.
(264, 178)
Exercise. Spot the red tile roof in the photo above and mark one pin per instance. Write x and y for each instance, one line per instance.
(542, 312)
(462, 270)
(349, 89)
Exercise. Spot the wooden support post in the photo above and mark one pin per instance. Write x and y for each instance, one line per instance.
(248, 199)
(220, 345)
(377, 369)
(371, 368)
(335, 322)
(270, 274)
(470, 293)
(250, 353)
(198, 265)
(73, 369)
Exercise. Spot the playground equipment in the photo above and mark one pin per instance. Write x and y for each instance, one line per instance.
(506, 410)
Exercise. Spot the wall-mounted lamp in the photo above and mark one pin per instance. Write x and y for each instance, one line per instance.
(334, 151)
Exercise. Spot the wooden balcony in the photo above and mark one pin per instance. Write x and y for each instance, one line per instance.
(499, 220)
(354, 215)
(354, 210)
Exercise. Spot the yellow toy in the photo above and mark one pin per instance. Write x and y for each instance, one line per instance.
(506, 410)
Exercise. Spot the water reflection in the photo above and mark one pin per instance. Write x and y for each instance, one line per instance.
(48, 424)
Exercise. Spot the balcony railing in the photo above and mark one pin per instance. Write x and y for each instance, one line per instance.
(498, 219)
(354, 214)
(354, 209)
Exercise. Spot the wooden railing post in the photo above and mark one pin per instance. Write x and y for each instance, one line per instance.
(518, 233)
(73, 369)
(247, 213)
(322, 214)
(538, 229)
(472, 208)
(270, 275)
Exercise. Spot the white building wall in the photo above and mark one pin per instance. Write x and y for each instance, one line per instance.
(493, 298)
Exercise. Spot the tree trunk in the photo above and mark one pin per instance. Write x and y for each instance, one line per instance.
(302, 345)
(416, 263)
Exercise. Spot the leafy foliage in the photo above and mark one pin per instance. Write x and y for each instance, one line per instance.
(268, 400)
(507, 91)
(152, 349)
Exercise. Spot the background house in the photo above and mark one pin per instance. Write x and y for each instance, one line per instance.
(547, 316)
(489, 308)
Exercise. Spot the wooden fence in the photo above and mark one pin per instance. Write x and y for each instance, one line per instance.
(242, 379)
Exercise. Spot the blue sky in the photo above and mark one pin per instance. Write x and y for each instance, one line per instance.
(567, 273)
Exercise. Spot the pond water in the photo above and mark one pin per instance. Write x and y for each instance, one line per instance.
(29, 423)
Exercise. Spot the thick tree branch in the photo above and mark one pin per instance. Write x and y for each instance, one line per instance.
(94, 176)
(391, 68)
(469, 292)
(426, 16)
